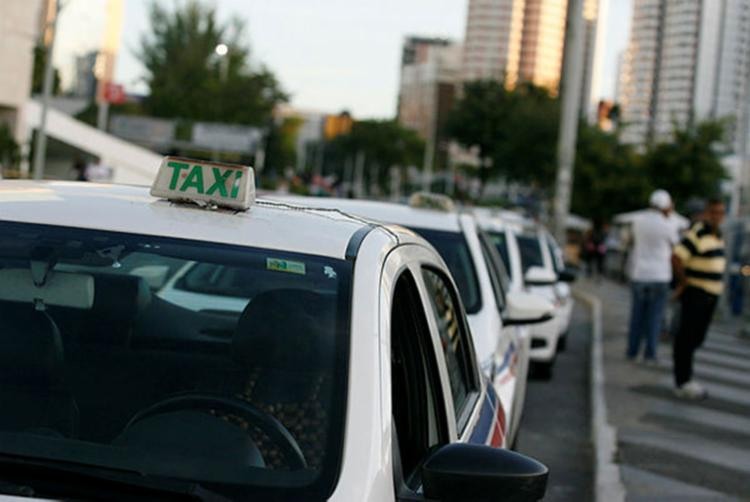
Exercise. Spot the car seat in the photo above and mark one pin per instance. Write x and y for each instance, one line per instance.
(33, 390)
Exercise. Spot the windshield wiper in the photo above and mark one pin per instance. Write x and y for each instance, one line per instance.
(34, 477)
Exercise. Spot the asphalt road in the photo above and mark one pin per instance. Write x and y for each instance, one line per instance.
(555, 428)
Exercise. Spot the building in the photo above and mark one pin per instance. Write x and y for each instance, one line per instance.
(18, 36)
(523, 41)
(493, 40)
(686, 60)
(430, 71)
(84, 79)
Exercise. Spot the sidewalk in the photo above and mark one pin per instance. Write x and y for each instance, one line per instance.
(670, 449)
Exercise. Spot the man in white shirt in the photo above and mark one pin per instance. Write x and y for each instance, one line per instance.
(654, 235)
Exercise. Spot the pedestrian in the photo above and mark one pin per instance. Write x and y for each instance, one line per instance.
(595, 249)
(79, 167)
(699, 265)
(653, 237)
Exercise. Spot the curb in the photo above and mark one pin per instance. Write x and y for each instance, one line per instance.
(608, 486)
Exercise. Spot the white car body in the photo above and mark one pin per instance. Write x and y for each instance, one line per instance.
(379, 254)
(502, 351)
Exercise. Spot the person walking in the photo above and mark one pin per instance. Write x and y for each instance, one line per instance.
(653, 237)
(699, 264)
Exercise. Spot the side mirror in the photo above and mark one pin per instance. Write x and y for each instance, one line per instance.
(468, 472)
(526, 308)
(567, 275)
(154, 275)
(540, 276)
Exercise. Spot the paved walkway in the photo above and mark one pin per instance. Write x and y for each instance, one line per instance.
(670, 449)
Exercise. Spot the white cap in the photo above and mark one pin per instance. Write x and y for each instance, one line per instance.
(660, 199)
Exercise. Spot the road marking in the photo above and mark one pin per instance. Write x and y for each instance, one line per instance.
(691, 446)
(608, 486)
(657, 487)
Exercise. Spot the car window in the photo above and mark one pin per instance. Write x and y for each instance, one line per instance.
(554, 252)
(500, 241)
(455, 342)
(496, 270)
(235, 354)
(455, 252)
(531, 251)
(418, 405)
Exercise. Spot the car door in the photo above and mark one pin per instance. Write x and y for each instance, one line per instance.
(479, 414)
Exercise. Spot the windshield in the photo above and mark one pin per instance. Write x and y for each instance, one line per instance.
(217, 364)
(455, 252)
(531, 251)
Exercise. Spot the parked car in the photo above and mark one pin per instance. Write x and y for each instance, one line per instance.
(348, 374)
(481, 279)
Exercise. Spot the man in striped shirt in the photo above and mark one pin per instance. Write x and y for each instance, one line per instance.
(699, 264)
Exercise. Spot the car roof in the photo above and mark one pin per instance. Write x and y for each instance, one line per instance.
(131, 209)
(389, 212)
(500, 220)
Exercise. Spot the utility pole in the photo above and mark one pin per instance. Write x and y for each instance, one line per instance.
(570, 98)
(430, 144)
(40, 144)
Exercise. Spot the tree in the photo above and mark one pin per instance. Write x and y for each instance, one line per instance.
(10, 152)
(690, 164)
(189, 80)
(384, 143)
(37, 77)
(281, 147)
(515, 130)
(609, 177)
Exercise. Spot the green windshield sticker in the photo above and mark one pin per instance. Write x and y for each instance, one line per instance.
(293, 267)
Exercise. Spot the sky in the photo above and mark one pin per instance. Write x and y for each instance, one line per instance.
(329, 55)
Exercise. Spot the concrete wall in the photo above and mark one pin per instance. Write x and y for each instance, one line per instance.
(19, 20)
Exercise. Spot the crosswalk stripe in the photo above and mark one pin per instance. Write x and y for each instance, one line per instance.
(737, 363)
(732, 377)
(711, 418)
(650, 486)
(724, 392)
(729, 457)
(729, 349)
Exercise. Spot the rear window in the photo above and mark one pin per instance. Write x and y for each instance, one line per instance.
(117, 348)
(531, 251)
(455, 252)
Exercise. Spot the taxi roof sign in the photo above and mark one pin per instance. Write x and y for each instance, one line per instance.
(225, 185)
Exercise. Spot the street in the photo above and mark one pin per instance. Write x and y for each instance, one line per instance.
(669, 449)
(555, 427)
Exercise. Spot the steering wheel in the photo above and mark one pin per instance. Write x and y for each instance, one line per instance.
(266, 422)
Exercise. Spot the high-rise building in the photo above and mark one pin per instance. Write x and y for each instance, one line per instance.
(686, 60)
(523, 41)
(493, 39)
(430, 70)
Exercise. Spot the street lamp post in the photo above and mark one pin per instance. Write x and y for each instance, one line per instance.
(222, 50)
(40, 144)
(570, 99)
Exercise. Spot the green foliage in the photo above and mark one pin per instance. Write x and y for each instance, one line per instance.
(281, 147)
(516, 130)
(10, 152)
(37, 76)
(384, 143)
(609, 176)
(689, 165)
(187, 79)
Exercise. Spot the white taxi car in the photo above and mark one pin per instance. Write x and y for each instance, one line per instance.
(349, 374)
(482, 283)
(534, 262)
